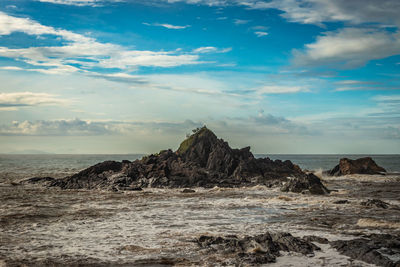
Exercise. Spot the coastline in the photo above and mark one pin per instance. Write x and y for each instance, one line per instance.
(159, 226)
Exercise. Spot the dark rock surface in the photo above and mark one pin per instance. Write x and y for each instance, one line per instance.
(258, 249)
(359, 166)
(202, 160)
(377, 203)
(300, 184)
(342, 201)
(378, 249)
(318, 239)
(37, 180)
(188, 191)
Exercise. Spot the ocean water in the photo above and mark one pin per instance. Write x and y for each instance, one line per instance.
(42, 226)
(326, 162)
(58, 165)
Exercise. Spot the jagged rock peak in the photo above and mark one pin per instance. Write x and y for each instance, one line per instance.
(199, 136)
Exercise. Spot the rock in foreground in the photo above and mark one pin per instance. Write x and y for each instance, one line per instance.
(359, 166)
(378, 249)
(202, 160)
(258, 249)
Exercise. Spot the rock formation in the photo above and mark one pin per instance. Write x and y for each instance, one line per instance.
(202, 160)
(378, 249)
(359, 166)
(260, 249)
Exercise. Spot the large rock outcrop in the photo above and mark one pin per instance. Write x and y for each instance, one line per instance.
(359, 166)
(202, 160)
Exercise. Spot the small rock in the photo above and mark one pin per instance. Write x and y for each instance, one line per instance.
(136, 189)
(342, 201)
(186, 191)
(306, 183)
(375, 203)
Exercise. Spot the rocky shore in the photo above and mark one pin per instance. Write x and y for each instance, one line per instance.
(205, 204)
(202, 160)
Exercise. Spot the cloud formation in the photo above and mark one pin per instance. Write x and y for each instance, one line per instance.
(281, 89)
(319, 11)
(349, 48)
(81, 53)
(266, 123)
(167, 26)
(211, 49)
(92, 3)
(260, 33)
(26, 99)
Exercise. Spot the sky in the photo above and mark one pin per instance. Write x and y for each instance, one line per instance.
(136, 76)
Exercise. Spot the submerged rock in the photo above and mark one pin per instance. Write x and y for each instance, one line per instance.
(377, 203)
(188, 191)
(38, 180)
(378, 249)
(342, 201)
(359, 166)
(318, 239)
(202, 160)
(258, 249)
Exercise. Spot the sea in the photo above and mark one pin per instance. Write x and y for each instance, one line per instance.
(42, 226)
(58, 165)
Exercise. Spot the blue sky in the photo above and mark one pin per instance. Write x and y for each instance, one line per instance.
(126, 76)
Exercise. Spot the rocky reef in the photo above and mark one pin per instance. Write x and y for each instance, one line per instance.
(359, 166)
(202, 160)
(378, 249)
(260, 249)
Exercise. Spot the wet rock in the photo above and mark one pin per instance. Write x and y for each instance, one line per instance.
(305, 183)
(36, 180)
(318, 239)
(342, 201)
(378, 249)
(130, 188)
(202, 160)
(258, 249)
(359, 166)
(186, 191)
(377, 203)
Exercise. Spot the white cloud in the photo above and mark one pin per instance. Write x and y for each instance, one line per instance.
(211, 49)
(240, 21)
(320, 11)
(387, 98)
(75, 2)
(58, 128)
(24, 99)
(168, 26)
(260, 34)
(82, 50)
(354, 82)
(281, 89)
(363, 88)
(10, 68)
(260, 27)
(349, 47)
